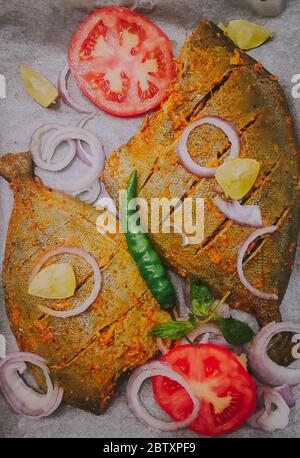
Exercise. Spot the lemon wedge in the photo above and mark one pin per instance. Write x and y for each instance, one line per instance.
(38, 87)
(237, 176)
(245, 34)
(56, 281)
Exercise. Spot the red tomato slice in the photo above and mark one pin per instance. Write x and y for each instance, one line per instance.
(226, 391)
(121, 61)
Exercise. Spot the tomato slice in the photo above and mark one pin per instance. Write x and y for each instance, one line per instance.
(226, 391)
(121, 61)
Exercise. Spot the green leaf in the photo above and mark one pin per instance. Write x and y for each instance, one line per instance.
(174, 329)
(235, 332)
(201, 298)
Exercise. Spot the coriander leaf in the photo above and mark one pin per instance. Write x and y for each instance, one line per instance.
(174, 329)
(201, 298)
(235, 332)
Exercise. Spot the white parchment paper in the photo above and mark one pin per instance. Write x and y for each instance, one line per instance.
(37, 33)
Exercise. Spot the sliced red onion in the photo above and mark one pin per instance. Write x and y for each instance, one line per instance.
(249, 215)
(241, 253)
(97, 280)
(98, 157)
(90, 194)
(80, 151)
(261, 364)
(287, 394)
(134, 403)
(210, 328)
(64, 94)
(23, 399)
(184, 155)
(161, 346)
(273, 415)
(178, 283)
(223, 311)
(247, 318)
(39, 156)
(205, 338)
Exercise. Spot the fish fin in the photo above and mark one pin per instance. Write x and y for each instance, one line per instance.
(14, 166)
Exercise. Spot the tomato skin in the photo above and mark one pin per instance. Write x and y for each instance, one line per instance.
(213, 367)
(138, 101)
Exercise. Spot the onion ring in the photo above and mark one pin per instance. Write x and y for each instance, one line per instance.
(267, 418)
(23, 399)
(241, 253)
(261, 364)
(134, 403)
(41, 158)
(80, 151)
(90, 194)
(161, 346)
(64, 94)
(97, 280)
(184, 155)
(218, 340)
(249, 215)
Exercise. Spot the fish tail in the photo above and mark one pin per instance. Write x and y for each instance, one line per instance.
(14, 166)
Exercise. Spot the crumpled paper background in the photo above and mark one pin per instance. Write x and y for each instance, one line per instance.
(37, 33)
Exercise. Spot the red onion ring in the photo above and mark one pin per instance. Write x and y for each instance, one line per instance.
(80, 151)
(287, 394)
(90, 194)
(98, 159)
(23, 399)
(186, 288)
(184, 155)
(218, 340)
(161, 346)
(267, 418)
(177, 283)
(64, 93)
(261, 364)
(41, 157)
(224, 310)
(134, 403)
(241, 253)
(242, 214)
(97, 280)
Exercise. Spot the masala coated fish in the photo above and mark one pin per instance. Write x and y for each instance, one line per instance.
(87, 353)
(215, 78)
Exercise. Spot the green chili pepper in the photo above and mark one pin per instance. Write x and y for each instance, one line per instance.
(141, 249)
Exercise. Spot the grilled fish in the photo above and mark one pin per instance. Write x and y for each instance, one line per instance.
(86, 353)
(215, 78)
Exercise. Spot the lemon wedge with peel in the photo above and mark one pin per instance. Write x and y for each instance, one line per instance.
(38, 87)
(237, 176)
(245, 34)
(56, 281)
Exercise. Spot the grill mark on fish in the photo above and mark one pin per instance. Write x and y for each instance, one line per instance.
(216, 87)
(260, 241)
(190, 117)
(53, 234)
(96, 335)
(197, 182)
(244, 201)
(83, 283)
